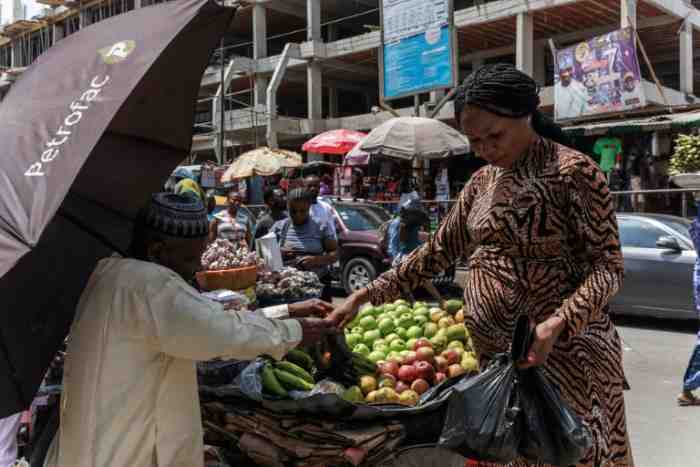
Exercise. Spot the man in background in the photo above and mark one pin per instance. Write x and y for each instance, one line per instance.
(320, 211)
(276, 202)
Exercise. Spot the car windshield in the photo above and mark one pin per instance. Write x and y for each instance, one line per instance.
(362, 216)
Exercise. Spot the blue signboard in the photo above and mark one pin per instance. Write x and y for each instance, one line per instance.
(419, 63)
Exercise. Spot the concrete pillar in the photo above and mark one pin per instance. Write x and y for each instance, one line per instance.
(14, 54)
(686, 58)
(332, 102)
(260, 51)
(628, 14)
(332, 32)
(58, 32)
(137, 4)
(436, 96)
(313, 18)
(539, 73)
(314, 71)
(525, 43)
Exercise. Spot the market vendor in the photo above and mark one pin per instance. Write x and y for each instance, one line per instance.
(231, 224)
(276, 202)
(539, 229)
(307, 243)
(130, 386)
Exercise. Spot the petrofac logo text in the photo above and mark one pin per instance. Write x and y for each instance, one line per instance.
(117, 52)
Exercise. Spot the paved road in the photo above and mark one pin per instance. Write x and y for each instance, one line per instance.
(656, 354)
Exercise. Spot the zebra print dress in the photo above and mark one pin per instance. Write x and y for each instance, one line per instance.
(542, 239)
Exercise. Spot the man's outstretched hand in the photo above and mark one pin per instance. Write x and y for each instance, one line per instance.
(314, 330)
(314, 307)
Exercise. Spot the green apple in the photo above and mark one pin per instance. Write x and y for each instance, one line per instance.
(369, 337)
(406, 321)
(383, 348)
(422, 311)
(368, 323)
(391, 337)
(403, 353)
(420, 320)
(397, 345)
(411, 343)
(420, 305)
(357, 330)
(394, 356)
(402, 333)
(389, 307)
(379, 341)
(455, 345)
(414, 332)
(353, 339)
(430, 330)
(403, 309)
(401, 302)
(367, 311)
(376, 356)
(361, 349)
(386, 326)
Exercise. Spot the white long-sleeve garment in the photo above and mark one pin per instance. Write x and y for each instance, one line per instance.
(130, 387)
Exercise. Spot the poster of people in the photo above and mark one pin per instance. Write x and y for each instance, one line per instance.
(598, 76)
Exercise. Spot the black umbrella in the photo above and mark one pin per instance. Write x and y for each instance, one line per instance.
(87, 133)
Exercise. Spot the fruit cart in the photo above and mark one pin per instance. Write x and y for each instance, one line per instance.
(358, 400)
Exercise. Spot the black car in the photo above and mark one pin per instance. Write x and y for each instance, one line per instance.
(659, 261)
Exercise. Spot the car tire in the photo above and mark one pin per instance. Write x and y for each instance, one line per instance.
(357, 273)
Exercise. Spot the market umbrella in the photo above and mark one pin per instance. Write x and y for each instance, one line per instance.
(356, 156)
(93, 127)
(333, 142)
(261, 161)
(415, 138)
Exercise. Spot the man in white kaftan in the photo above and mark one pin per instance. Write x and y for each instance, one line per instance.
(130, 387)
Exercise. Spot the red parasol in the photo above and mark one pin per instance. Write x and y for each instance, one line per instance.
(333, 142)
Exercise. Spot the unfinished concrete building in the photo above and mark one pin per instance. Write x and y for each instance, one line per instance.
(294, 68)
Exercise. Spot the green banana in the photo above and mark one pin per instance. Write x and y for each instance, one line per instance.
(292, 382)
(296, 370)
(271, 383)
(301, 358)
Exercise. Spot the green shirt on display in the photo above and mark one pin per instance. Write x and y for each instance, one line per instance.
(607, 149)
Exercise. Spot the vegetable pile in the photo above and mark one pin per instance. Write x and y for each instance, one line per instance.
(686, 158)
(224, 254)
(288, 284)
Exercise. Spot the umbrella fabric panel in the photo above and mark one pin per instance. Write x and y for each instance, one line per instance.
(333, 142)
(39, 297)
(53, 116)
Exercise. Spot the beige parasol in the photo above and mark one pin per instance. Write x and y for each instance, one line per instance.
(262, 161)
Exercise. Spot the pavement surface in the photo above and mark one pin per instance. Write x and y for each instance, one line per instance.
(656, 354)
(655, 359)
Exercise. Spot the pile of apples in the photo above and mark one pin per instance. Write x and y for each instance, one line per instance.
(436, 347)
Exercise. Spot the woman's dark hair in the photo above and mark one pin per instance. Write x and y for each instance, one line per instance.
(507, 92)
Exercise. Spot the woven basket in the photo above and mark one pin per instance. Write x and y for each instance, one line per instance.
(228, 279)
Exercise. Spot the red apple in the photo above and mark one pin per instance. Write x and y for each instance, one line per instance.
(422, 342)
(410, 358)
(425, 354)
(401, 387)
(451, 356)
(390, 368)
(441, 364)
(439, 377)
(420, 386)
(455, 370)
(424, 370)
(408, 373)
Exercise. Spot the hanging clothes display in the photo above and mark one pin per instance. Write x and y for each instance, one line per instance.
(609, 151)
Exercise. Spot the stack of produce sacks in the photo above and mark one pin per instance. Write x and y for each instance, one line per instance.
(272, 439)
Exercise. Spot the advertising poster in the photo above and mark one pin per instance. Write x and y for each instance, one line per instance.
(598, 76)
(417, 51)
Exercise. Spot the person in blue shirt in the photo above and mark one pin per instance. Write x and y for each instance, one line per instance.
(401, 236)
(691, 379)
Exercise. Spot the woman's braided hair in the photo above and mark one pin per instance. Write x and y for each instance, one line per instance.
(507, 92)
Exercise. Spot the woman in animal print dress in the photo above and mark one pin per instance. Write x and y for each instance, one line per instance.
(539, 227)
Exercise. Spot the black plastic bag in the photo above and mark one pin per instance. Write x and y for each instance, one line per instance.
(505, 413)
(553, 432)
(483, 417)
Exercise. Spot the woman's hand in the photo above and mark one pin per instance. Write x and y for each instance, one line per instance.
(546, 335)
(308, 262)
(348, 310)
